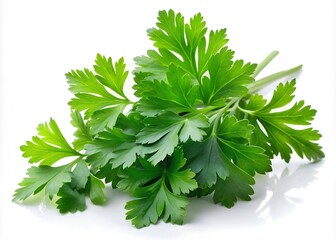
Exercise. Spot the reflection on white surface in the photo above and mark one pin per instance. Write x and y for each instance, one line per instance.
(276, 194)
(281, 191)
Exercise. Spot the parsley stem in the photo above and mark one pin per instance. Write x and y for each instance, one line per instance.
(257, 85)
(249, 112)
(264, 63)
(220, 113)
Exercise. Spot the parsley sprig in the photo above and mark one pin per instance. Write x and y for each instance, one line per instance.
(199, 127)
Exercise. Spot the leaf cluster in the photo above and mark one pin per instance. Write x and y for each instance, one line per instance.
(198, 127)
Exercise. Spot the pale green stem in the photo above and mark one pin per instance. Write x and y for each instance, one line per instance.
(257, 85)
(220, 113)
(264, 63)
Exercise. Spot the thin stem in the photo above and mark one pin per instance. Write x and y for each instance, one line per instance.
(200, 110)
(257, 85)
(235, 106)
(249, 112)
(264, 63)
(220, 112)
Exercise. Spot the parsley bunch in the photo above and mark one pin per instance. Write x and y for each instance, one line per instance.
(199, 127)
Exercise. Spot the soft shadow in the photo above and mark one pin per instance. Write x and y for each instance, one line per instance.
(272, 199)
(280, 201)
(32, 200)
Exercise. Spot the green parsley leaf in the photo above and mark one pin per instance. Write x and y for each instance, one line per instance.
(109, 174)
(178, 94)
(111, 76)
(92, 96)
(43, 177)
(96, 192)
(82, 134)
(114, 146)
(234, 138)
(228, 161)
(165, 131)
(217, 39)
(178, 43)
(70, 200)
(155, 201)
(235, 186)
(50, 147)
(81, 174)
(99, 153)
(230, 146)
(206, 160)
(273, 129)
(213, 167)
(157, 127)
(138, 175)
(174, 37)
(161, 198)
(226, 78)
(181, 181)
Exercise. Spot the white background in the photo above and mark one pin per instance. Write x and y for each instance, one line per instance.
(41, 40)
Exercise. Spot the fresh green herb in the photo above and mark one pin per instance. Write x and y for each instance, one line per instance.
(199, 127)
